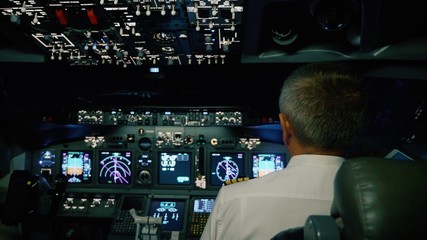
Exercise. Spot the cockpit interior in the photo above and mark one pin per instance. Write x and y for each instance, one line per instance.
(117, 112)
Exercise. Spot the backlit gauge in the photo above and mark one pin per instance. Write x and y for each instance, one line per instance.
(227, 169)
(145, 143)
(47, 158)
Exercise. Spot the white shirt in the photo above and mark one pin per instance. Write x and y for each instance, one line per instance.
(262, 207)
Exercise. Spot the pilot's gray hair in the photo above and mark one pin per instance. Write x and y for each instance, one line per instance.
(326, 104)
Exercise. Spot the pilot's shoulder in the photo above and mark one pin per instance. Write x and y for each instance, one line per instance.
(236, 180)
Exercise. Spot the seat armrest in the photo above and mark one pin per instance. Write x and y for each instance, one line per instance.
(321, 227)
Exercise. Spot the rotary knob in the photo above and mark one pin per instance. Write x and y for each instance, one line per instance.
(144, 177)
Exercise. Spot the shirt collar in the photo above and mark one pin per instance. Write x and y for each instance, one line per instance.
(315, 160)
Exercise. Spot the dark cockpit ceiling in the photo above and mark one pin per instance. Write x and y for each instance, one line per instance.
(108, 48)
(165, 33)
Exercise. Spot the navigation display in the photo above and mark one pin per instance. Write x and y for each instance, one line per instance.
(226, 166)
(115, 167)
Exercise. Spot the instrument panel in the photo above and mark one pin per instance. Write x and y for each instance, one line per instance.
(162, 162)
(138, 32)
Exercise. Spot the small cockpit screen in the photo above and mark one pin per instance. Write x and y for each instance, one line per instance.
(77, 166)
(47, 158)
(115, 167)
(265, 163)
(172, 212)
(174, 168)
(203, 205)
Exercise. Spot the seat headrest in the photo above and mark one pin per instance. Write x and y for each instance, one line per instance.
(382, 198)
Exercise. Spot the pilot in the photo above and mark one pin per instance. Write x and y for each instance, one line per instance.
(323, 110)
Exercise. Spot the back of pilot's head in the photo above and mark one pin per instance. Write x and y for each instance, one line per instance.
(325, 103)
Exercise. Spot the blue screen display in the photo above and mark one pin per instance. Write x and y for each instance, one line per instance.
(172, 212)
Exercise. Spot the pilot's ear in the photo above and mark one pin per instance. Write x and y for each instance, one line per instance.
(286, 128)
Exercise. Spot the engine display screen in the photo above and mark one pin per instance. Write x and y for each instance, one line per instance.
(174, 168)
